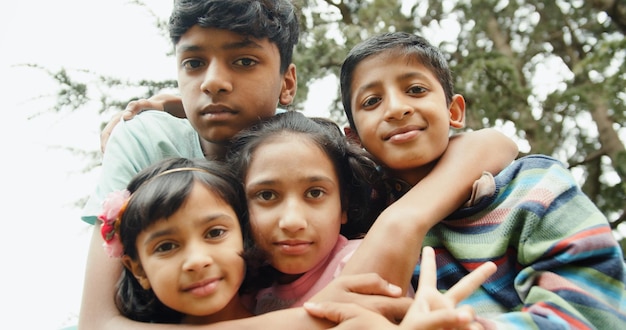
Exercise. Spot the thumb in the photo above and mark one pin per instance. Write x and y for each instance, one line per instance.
(335, 312)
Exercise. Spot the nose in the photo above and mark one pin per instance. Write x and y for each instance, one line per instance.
(216, 79)
(196, 258)
(397, 106)
(293, 218)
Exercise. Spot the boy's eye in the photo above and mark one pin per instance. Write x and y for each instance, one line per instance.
(416, 90)
(315, 193)
(245, 62)
(216, 232)
(165, 247)
(192, 64)
(266, 195)
(370, 101)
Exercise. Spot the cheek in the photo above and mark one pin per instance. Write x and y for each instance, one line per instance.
(258, 229)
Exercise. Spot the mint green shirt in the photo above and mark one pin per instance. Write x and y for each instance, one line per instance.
(135, 144)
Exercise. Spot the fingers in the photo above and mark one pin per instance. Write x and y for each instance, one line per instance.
(136, 107)
(370, 283)
(468, 284)
(132, 109)
(333, 311)
(428, 268)
(348, 316)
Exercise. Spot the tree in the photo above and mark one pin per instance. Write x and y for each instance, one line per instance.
(503, 53)
(552, 73)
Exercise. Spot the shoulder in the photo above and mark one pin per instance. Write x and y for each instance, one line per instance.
(155, 122)
(135, 144)
(156, 133)
(534, 169)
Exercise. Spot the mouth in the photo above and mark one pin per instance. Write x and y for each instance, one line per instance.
(217, 110)
(293, 247)
(202, 288)
(403, 133)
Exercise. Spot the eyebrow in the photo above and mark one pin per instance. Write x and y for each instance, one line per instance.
(169, 231)
(411, 74)
(309, 179)
(243, 44)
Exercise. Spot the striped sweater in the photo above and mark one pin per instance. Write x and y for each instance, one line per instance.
(559, 266)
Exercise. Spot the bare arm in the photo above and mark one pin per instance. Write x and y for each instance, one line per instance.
(98, 310)
(392, 246)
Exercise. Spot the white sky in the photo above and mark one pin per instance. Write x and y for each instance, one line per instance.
(45, 241)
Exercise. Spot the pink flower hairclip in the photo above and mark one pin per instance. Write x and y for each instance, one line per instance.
(112, 210)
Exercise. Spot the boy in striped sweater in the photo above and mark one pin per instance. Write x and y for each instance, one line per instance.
(559, 265)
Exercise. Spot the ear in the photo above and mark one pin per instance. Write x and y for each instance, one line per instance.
(457, 111)
(351, 136)
(137, 270)
(289, 86)
(344, 217)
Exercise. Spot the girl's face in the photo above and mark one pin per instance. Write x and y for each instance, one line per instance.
(294, 202)
(192, 260)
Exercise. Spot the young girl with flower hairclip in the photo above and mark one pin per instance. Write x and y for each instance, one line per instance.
(181, 230)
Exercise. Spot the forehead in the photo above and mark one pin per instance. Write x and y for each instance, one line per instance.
(198, 38)
(389, 65)
(289, 152)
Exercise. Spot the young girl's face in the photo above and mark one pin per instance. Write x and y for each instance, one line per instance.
(192, 260)
(294, 202)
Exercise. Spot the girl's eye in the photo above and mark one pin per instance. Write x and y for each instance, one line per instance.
(315, 193)
(245, 62)
(165, 247)
(216, 232)
(192, 64)
(266, 195)
(371, 101)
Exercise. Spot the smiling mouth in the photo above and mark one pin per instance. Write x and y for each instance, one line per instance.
(203, 288)
(402, 133)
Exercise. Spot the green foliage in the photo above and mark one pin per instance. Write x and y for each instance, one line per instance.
(555, 70)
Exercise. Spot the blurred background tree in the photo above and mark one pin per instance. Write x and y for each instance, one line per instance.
(551, 75)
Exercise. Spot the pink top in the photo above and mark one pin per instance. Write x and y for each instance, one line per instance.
(296, 293)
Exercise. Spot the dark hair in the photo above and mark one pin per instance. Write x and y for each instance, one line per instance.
(356, 171)
(276, 20)
(404, 45)
(156, 195)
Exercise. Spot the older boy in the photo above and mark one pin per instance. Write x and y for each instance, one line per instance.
(558, 264)
(234, 62)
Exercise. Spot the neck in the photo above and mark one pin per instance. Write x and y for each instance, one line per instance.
(233, 311)
(414, 175)
(212, 150)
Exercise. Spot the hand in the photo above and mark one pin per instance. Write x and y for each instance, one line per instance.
(430, 309)
(348, 316)
(164, 102)
(370, 291)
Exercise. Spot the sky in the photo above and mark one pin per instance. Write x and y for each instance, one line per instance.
(45, 242)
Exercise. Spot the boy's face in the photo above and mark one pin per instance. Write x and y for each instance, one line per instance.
(229, 82)
(400, 113)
